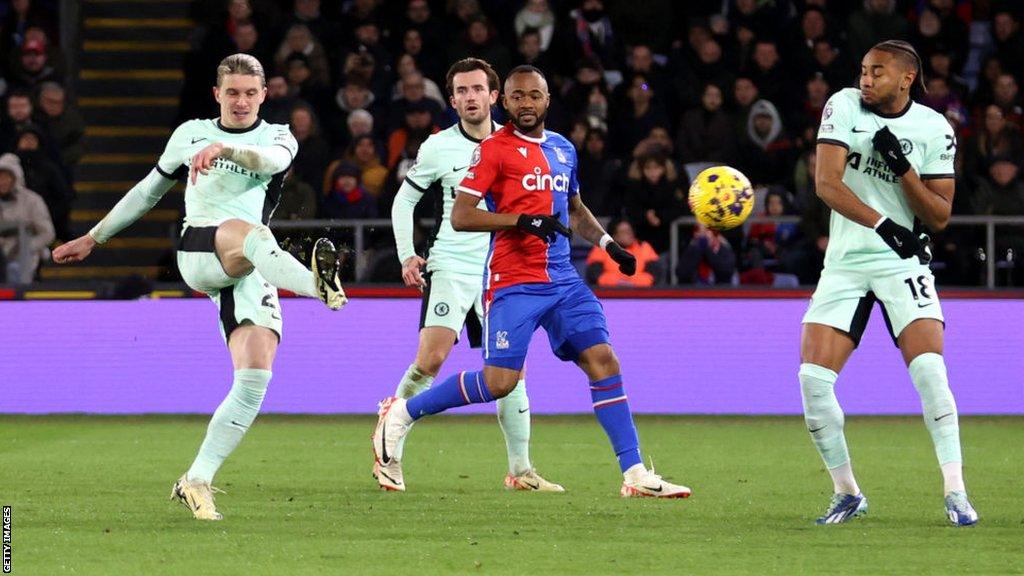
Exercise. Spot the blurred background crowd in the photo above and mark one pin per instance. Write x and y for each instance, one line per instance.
(649, 92)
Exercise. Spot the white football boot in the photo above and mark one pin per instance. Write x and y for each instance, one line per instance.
(197, 497)
(386, 436)
(639, 482)
(532, 482)
(325, 265)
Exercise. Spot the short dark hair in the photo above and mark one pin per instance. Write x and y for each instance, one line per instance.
(525, 69)
(468, 65)
(906, 53)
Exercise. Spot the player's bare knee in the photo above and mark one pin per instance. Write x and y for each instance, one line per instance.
(599, 362)
(500, 381)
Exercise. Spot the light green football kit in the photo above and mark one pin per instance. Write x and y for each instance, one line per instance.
(455, 267)
(228, 191)
(455, 260)
(860, 268)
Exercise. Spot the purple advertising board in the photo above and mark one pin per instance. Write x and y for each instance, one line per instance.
(679, 356)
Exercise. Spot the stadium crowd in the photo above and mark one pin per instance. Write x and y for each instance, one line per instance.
(650, 93)
(41, 134)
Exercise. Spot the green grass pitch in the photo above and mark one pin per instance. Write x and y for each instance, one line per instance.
(89, 496)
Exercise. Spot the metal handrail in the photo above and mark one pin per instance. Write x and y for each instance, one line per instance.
(24, 239)
(990, 223)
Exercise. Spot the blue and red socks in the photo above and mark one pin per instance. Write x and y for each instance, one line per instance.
(457, 390)
(612, 410)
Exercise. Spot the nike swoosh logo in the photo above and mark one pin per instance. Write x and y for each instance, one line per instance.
(898, 242)
(194, 140)
(532, 486)
(275, 316)
(812, 431)
(524, 411)
(393, 481)
(855, 131)
(925, 305)
(457, 169)
(943, 416)
(658, 489)
(239, 424)
(383, 443)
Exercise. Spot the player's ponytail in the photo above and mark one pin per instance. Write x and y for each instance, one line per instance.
(906, 52)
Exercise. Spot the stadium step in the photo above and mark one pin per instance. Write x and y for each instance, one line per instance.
(128, 85)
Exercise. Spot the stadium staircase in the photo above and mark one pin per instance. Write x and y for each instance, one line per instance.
(130, 75)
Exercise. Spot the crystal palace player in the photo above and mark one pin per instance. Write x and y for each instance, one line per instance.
(528, 178)
(885, 164)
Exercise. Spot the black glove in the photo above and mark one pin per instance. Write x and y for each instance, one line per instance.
(901, 240)
(625, 260)
(542, 226)
(886, 144)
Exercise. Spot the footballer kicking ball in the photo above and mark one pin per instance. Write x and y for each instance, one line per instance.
(721, 197)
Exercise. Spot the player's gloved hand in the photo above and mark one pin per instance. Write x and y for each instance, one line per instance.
(625, 260)
(542, 226)
(925, 255)
(888, 145)
(901, 240)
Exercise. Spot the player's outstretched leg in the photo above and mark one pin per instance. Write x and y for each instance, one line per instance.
(229, 424)
(928, 372)
(396, 416)
(391, 476)
(514, 418)
(612, 410)
(825, 422)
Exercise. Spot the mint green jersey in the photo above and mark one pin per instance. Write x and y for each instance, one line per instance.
(444, 159)
(228, 190)
(929, 144)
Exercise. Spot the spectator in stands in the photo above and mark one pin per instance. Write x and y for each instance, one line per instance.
(806, 257)
(875, 22)
(940, 98)
(744, 94)
(710, 68)
(480, 41)
(298, 200)
(33, 68)
(994, 138)
(429, 28)
(277, 108)
(63, 124)
(767, 156)
(991, 70)
(806, 120)
(590, 35)
(536, 15)
(767, 73)
(356, 96)
(707, 259)
(587, 94)
(19, 114)
(300, 41)
(1002, 194)
(766, 242)
(940, 64)
(19, 204)
(418, 125)
(642, 112)
(833, 64)
(1005, 95)
(409, 79)
(45, 178)
(307, 13)
(360, 123)
(246, 40)
(303, 83)
(22, 15)
(314, 152)
(604, 271)
(430, 62)
(1007, 40)
(362, 153)
(952, 31)
(650, 202)
(707, 133)
(413, 93)
(596, 173)
(528, 51)
(812, 27)
(346, 198)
